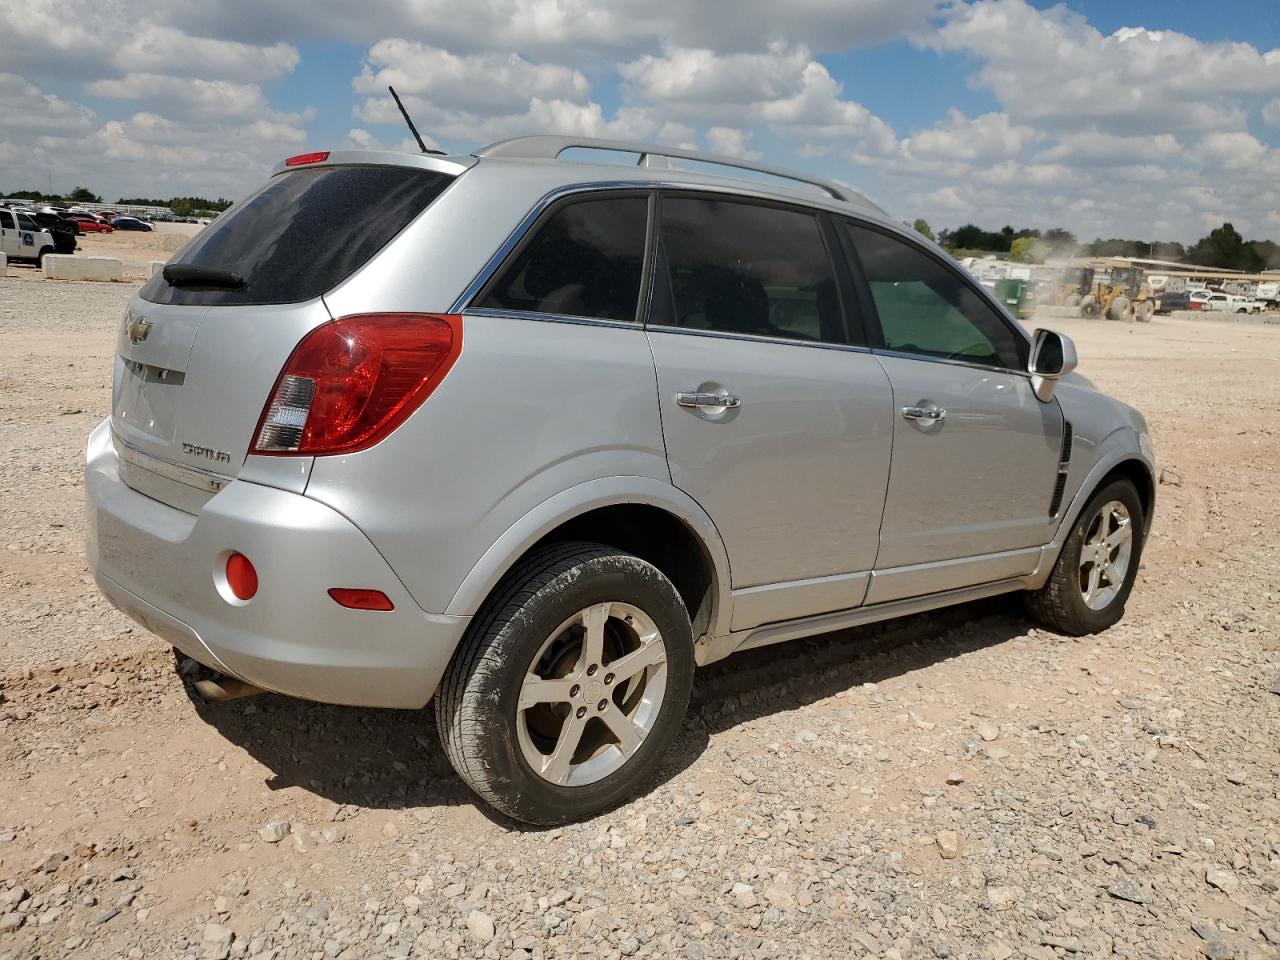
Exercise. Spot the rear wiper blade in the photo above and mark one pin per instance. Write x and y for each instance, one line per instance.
(188, 275)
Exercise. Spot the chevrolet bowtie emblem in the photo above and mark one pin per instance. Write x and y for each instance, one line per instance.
(138, 330)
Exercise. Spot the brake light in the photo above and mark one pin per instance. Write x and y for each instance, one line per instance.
(352, 381)
(304, 158)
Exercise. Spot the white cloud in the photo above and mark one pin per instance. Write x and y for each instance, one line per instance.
(1232, 151)
(159, 49)
(484, 81)
(1271, 113)
(193, 96)
(961, 140)
(1093, 147)
(731, 142)
(27, 111)
(1052, 68)
(574, 30)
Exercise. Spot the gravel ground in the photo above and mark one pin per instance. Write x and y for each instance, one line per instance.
(952, 785)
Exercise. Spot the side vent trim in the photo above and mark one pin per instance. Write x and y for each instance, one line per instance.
(1064, 465)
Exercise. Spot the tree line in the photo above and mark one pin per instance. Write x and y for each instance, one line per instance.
(1222, 247)
(181, 206)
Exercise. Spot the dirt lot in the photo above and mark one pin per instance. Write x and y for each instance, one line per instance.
(954, 785)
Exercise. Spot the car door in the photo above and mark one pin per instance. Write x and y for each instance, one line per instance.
(975, 453)
(8, 235)
(776, 417)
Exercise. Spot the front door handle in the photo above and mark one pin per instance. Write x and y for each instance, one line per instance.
(704, 400)
(927, 414)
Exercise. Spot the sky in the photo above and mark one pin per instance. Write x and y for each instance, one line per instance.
(1150, 119)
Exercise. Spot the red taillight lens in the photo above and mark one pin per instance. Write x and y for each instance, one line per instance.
(241, 577)
(304, 158)
(361, 599)
(351, 382)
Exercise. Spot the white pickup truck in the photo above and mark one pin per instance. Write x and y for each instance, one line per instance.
(21, 238)
(1225, 302)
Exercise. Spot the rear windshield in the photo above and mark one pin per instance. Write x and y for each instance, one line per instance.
(303, 233)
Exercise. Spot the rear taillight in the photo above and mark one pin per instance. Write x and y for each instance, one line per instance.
(352, 381)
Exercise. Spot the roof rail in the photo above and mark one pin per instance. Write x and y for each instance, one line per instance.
(652, 155)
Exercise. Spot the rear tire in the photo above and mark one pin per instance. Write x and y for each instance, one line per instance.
(1119, 308)
(1065, 603)
(537, 712)
(1089, 308)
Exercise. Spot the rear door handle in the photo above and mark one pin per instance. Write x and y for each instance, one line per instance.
(927, 414)
(704, 400)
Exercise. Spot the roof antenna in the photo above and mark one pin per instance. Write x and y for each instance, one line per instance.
(414, 130)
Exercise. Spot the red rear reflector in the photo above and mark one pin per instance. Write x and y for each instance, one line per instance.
(361, 599)
(304, 158)
(351, 382)
(241, 577)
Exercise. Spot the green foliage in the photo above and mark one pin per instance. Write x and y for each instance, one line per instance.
(1028, 250)
(921, 226)
(83, 195)
(181, 206)
(1224, 247)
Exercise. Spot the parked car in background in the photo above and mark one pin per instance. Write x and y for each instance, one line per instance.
(63, 230)
(90, 224)
(1168, 301)
(1230, 303)
(537, 439)
(22, 239)
(130, 223)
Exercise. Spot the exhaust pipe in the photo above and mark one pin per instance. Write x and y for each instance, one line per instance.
(225, 688)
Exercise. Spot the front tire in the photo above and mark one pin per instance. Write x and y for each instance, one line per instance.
(1094, 573)
(570, 684)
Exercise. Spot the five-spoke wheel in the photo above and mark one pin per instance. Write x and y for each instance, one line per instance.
(1094, 572)
(592, 693)
(570, 684)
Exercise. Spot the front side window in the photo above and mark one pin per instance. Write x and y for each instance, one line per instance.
(927, 309)
(586, 260)
(744, 268)
(26, 223)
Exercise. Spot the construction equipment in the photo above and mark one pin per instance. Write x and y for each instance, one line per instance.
(1075, 284)
(1122, 295)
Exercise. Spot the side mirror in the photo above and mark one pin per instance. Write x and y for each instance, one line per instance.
(1053, 356)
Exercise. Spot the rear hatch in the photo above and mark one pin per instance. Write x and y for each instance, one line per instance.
(200, 349)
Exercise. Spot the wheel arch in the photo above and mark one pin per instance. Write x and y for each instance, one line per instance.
(1127, 463)
(655, 521)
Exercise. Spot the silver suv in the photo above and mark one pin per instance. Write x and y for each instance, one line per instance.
(538, 436)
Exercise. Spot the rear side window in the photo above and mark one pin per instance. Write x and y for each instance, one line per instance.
(928, 309)
(742, 268)
(586, 260)
(303, 233)
(6, 220)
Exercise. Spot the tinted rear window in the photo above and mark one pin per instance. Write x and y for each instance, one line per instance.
(303, 233)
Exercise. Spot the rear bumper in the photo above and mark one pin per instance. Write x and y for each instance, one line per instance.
(158, 565)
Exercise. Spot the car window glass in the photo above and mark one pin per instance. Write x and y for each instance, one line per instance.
(6, 219)
(585, 261)
(304, 232)
(26, 223)
(928, 309)
(745, 268)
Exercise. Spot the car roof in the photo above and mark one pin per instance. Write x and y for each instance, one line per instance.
(556, 172)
